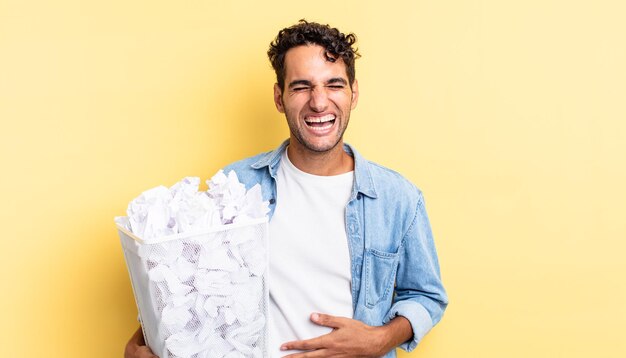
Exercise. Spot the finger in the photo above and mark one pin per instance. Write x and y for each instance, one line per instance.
(310, 354)
(327, 320)
(304, 345)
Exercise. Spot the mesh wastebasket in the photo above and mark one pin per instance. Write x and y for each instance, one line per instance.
(203, 294)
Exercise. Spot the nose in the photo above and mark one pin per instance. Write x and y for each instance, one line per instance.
(319, 99)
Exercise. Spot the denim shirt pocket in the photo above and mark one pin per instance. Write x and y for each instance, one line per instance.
(380, 272)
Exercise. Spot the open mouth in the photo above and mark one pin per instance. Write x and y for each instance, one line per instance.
(320, 123)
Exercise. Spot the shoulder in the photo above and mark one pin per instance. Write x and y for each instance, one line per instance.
(398, 200)
(247, 172)
(384, 183)
(244, 165)
(391, 184)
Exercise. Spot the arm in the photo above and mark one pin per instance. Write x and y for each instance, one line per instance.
(419, 293)
(136, 347)
(352, 338)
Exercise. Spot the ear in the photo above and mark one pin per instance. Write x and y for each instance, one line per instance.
(355, 94)
(278, 98)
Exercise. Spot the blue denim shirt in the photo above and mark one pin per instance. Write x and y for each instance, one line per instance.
(395, 271)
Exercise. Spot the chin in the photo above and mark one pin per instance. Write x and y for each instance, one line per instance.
(322, 147)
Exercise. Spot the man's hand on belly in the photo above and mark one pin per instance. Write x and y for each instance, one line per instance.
(351, 338)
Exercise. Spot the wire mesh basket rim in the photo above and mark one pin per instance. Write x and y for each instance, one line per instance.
(185, 235)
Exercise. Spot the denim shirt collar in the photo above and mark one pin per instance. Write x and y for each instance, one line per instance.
(363, 182)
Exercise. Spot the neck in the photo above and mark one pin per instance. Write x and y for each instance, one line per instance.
(333, 162)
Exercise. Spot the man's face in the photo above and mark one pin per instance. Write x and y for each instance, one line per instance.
(317, 98)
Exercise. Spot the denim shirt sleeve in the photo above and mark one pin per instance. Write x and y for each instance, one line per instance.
(419, 293)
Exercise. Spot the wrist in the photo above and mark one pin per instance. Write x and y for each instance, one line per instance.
(383, 339)
(394, 333)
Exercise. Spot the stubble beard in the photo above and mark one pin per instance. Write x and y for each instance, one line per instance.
(296, 133)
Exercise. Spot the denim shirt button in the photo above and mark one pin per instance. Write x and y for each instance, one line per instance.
(358, 197)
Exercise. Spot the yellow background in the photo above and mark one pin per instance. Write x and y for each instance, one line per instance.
(510, 115)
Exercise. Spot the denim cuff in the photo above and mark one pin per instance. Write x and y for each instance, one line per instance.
(418, 316)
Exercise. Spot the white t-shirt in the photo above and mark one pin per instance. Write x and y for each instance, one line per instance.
(309, 256)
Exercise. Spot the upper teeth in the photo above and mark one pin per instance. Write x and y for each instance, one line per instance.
(326, 118)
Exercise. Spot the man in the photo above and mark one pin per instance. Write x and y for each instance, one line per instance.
(353, 268)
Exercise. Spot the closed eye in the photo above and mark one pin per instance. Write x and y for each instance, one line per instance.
(337, 83)
(300, 85)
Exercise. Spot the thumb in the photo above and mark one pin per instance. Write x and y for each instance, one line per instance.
(326, 320)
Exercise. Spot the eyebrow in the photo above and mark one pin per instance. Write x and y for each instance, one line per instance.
(331, 81)
(299, 83)
(335, 80)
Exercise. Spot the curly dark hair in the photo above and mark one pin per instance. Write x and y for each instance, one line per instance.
(334, 41)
